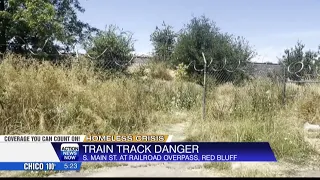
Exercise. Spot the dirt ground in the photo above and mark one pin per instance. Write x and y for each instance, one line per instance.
(174, 169)
(197, 169)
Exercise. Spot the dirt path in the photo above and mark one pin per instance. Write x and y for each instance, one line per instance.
(174, 169)
(144, 169)
(313, 137)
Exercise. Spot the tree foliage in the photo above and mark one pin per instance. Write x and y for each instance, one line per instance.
(110, 47)
(40, 24)
(202, 35)
(300, 64)
(163, 41)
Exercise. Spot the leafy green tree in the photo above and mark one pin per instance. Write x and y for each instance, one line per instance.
(111, 49)
(31, 24)
(3, 24)
(196, 37)
(300, 64)
(229, 54)
(163, 41)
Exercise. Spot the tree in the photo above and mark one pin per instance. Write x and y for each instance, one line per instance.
(300, 64)
(3, 17)
(31, 24)
(227, 52)
(112, 48)
(163, 41)
(196, 37)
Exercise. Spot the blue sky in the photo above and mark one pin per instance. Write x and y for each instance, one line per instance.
(269, 25)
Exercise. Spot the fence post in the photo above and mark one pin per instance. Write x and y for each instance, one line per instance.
(284, 85)
(284, 81)
(204, 87)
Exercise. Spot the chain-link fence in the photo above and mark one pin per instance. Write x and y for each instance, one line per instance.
(300, 73)
(57, 55)
(218, 71)
(287, 76)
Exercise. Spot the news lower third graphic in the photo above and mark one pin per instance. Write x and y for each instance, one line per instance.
(40, 166)
(37, 153)
(174, 152)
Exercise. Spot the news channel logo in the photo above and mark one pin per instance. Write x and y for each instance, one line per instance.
(69, 151)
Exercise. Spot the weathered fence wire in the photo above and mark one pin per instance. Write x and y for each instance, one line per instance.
(221, 74)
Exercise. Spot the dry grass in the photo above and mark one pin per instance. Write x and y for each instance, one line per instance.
(254, 173)
(160, 70)
(39, 98)
(46, 99)
(218, 165)
(255, 112)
